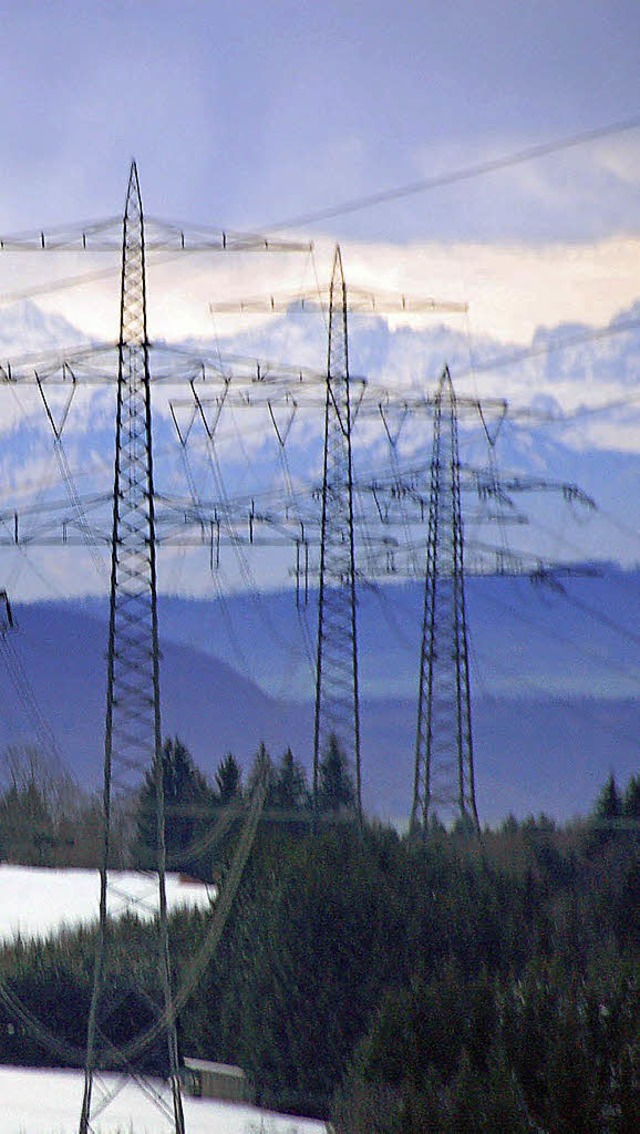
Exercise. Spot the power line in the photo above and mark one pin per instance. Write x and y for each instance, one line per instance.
(456, 176)
(580, 338)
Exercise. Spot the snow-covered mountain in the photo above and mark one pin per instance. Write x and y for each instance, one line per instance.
(591, 377)
(26, 329)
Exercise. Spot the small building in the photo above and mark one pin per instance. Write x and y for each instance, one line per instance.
(204, 1080)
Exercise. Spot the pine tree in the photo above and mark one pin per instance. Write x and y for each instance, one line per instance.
(609, 804)
(336, 789)
(631, 799)
(290, 789)
(263, 768)
(187, 801)
(228, 779)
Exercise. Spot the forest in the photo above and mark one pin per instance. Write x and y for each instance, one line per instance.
(387, 983)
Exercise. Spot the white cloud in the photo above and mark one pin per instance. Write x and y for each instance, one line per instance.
(511, 290)
(620, 156)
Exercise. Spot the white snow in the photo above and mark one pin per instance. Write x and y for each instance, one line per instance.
(38, 903)
(48, 1102)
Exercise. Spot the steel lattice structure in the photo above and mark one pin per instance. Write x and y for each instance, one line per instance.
(443, 755)
(133, 737)
(337, 711)
(444, 775)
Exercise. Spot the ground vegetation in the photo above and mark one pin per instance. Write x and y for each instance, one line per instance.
(448, 983)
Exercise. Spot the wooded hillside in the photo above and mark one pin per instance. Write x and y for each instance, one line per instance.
(447, 985)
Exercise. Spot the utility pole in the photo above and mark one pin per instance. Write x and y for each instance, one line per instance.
(444, 775)
(337, 710)
(133, 738)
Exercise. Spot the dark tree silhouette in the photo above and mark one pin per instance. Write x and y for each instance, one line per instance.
(228, 779)
(336, 790)
(187, 802)
(290, 789)
(609, 803)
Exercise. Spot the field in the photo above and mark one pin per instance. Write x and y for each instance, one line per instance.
(41, 902)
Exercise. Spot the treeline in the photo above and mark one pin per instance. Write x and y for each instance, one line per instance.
(47, 820)
(442, 985)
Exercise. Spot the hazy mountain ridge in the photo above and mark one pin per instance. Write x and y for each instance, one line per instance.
(197, 692)
(547, 731)
(26, 328)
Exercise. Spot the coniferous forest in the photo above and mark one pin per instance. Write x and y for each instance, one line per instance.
(444, 984)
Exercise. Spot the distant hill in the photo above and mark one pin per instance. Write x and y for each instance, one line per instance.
(212, 708)
(573, 635)
(554, 680)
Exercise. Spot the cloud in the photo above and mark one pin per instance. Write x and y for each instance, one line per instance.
(512, 290)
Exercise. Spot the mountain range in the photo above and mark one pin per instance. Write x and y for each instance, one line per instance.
(589, 375)
(555, 705)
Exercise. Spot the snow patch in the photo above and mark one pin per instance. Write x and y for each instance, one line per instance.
(39, 902)
(39, 1101)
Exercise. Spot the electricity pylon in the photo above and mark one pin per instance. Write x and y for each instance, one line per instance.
(337, 710)
(133, 738)
(132, 722)
(444, 774)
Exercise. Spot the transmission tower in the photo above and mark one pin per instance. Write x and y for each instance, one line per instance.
(444, 776)
(336, 693)
(133, 737)
(337, 711)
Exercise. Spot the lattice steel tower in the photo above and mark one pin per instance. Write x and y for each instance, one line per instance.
(337, 710)
(132, 728)
(444, 776)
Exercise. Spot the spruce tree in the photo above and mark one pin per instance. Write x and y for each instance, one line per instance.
(228, 779)
(336, 791)
(609, 803)
(187, 801)
(290, 790)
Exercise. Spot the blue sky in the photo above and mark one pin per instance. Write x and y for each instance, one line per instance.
(248, 113)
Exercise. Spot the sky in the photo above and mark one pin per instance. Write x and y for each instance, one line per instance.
(246, 115)
(289, 120)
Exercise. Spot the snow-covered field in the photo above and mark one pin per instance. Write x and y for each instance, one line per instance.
(38, 903)
(48, 1102)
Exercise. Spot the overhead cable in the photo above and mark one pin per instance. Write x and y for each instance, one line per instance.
(454, 177)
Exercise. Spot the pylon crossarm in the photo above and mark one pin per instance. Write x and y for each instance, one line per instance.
(486, 484)
(178, 523)
(360, 301)
(253, 381)
(160, 235)
(89, 365)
